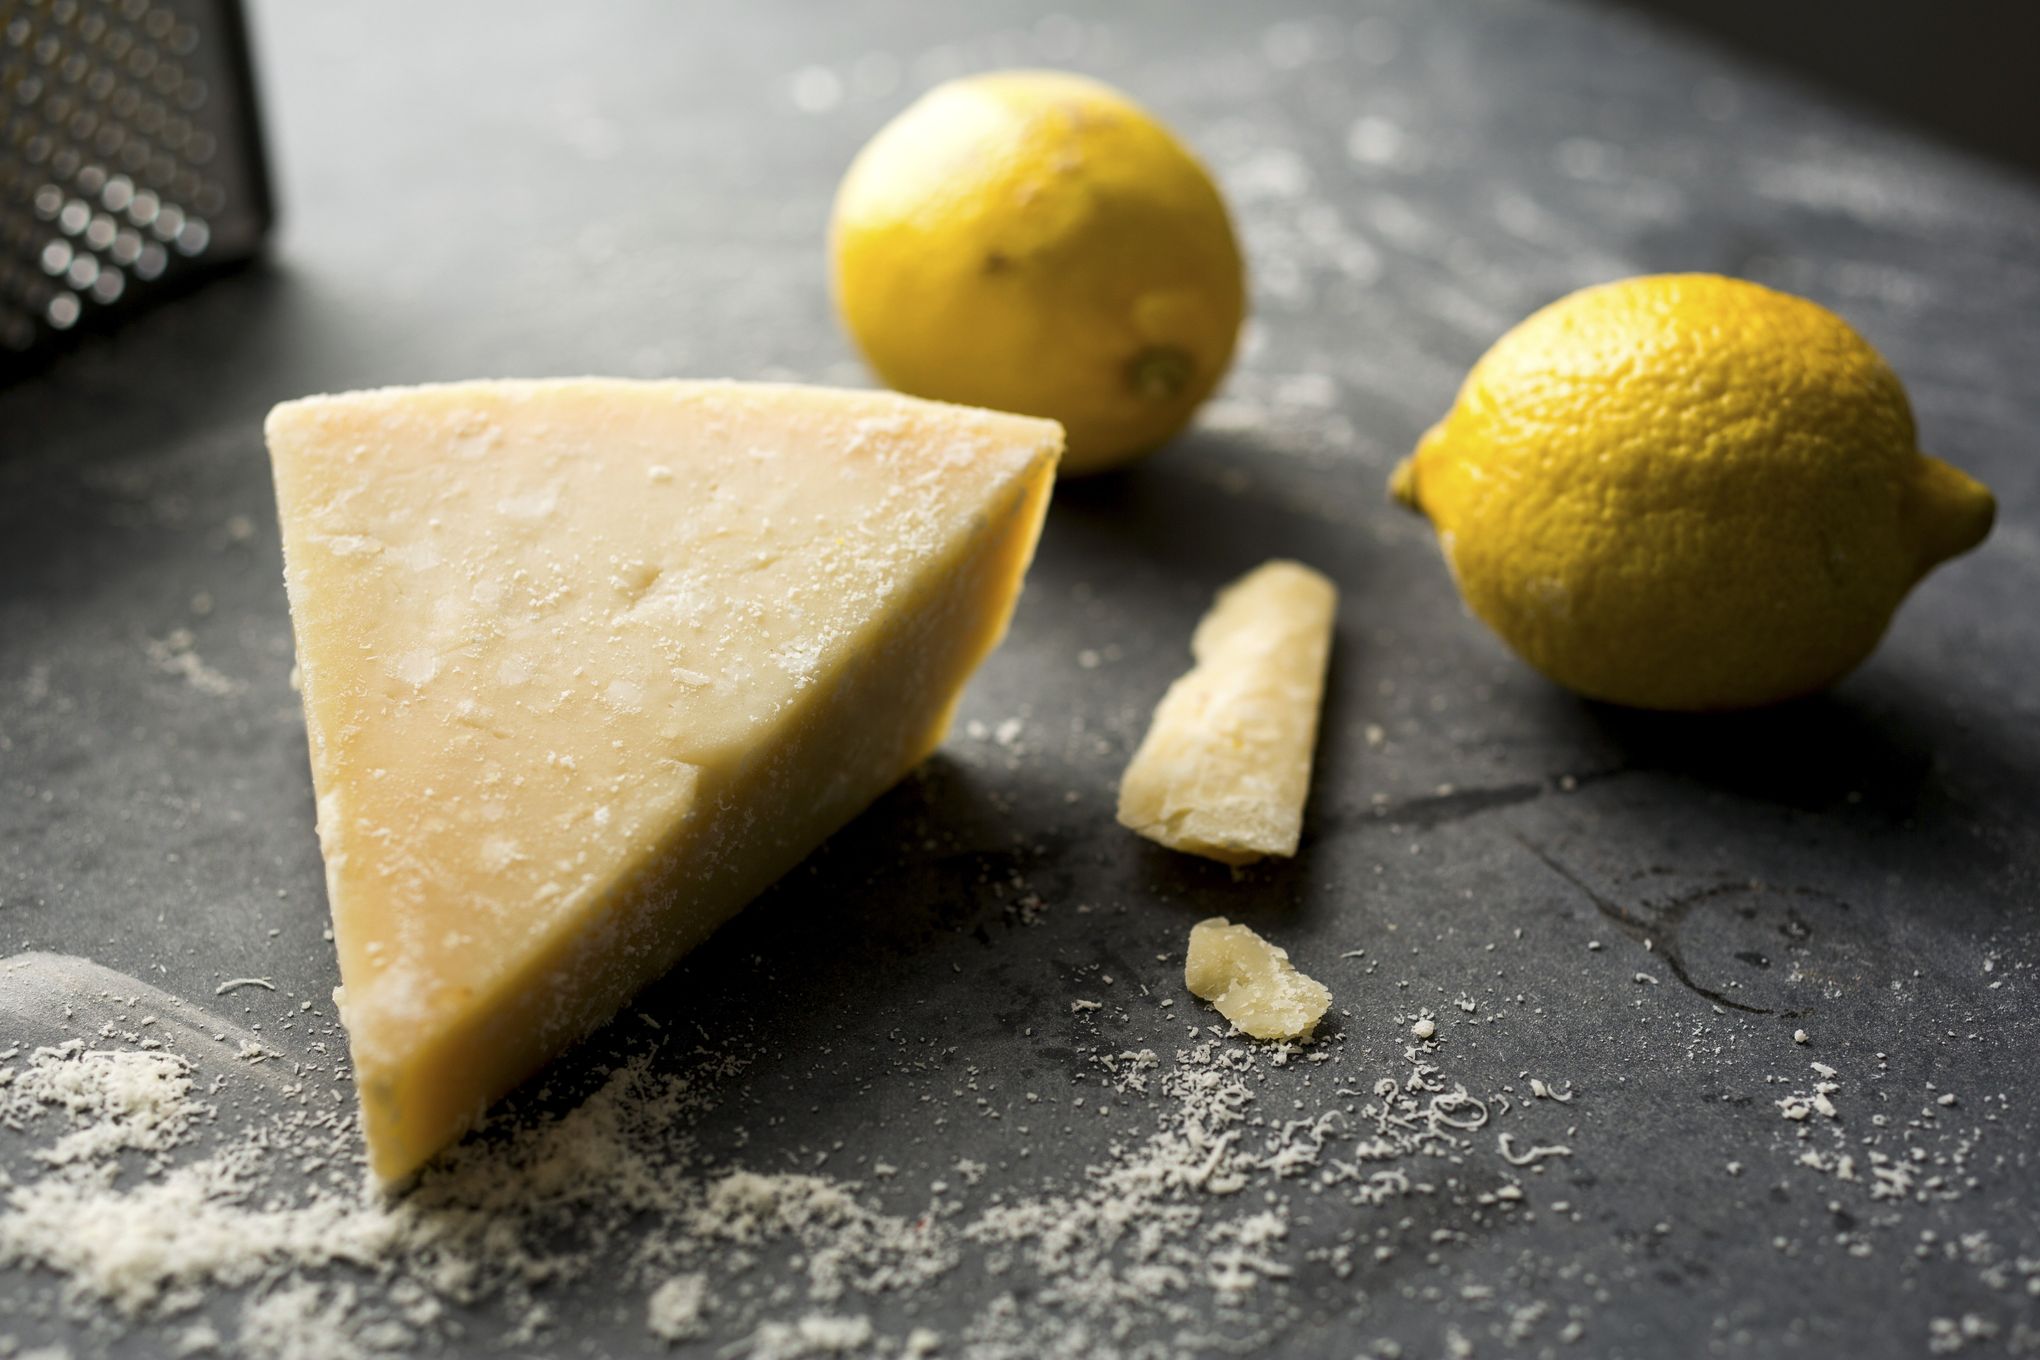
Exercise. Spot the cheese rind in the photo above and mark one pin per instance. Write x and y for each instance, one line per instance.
(587, 664)
(1225, 768)
(1251, 982)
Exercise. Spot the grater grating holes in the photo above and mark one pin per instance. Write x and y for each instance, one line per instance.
(110, 153)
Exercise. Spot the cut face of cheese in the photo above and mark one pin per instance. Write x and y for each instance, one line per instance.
(587, 664)
(1225, 767)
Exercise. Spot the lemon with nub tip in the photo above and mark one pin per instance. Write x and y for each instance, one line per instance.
(1034, 241)
(1688, 492)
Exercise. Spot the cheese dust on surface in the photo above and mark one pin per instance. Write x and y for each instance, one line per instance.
(114, 1098)
(217, 1205)
(1163, 1187)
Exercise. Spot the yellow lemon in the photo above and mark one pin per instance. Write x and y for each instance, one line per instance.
(1034, 241)
(1687, 492)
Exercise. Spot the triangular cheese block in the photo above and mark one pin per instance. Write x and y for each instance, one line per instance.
(587, 664)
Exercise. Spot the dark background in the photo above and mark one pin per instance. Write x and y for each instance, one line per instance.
(642, 189)
(1964, 72)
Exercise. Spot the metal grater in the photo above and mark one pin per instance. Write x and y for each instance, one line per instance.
(130, 161)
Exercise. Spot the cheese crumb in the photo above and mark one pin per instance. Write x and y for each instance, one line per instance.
(675, 1310)
(1252, 982)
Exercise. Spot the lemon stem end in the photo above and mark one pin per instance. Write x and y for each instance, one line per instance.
(1160, 373)
(1402, 485)
(1954, 512)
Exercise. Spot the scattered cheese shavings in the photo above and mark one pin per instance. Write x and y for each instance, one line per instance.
(674, 1311)
(1531, 1155)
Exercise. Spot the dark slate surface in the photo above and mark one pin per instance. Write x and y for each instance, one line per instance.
(477, 191)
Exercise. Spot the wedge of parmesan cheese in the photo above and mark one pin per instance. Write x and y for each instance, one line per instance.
(587, 664)
(1225, 768)
(1251, 982)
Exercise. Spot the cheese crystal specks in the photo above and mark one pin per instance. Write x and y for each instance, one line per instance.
(1225, 768)
(1251, 982)
(587, 664)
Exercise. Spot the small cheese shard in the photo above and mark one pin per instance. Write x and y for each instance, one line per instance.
(587, 664)
(1225, 768)
(1252, 982)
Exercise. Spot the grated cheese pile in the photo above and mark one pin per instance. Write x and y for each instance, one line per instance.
(181, 1183)
(117, 1098)
(151, 1209)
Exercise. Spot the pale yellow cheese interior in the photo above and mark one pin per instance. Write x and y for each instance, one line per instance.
(587, 664)
(1224, 770)
(1251, 982)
